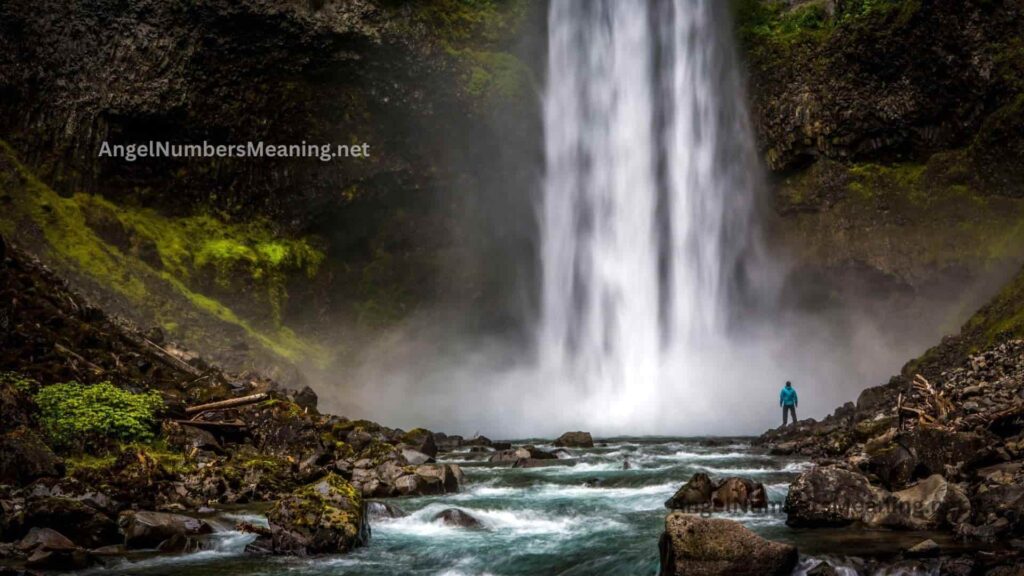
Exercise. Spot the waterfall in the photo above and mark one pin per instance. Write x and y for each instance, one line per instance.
(648, 214)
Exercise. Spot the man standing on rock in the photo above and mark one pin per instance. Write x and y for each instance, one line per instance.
(788, 401)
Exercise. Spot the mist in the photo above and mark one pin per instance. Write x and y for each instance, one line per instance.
(663, 303)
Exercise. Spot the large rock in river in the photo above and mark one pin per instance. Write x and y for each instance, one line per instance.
(696, 546)
(578, 439)
(739, 493)
(325, 517)
(694, 495)
(145, 529)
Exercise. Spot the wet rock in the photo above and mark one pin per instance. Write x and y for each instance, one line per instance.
(924, 548)
(24, 457)
(446, 443)
(459, 518)
(326, 517)
(381, 510)
(576, 439)
(416, 457)
(47, 538)
(539, 463)
(823, 569)
(739, 493)
(830, 496)
(181, 544)
(442, 478)
(187, 438)
(694, 495)
(692, 545)
(306, 398)
(145, 529)
(82, 523)
(477, 441)
(48, 549)
(521, 453)
(421, 440)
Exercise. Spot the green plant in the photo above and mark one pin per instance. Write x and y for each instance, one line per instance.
(19, 382)
(75, 415)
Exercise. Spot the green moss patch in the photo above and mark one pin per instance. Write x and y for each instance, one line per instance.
(144, 256)
(75, 415)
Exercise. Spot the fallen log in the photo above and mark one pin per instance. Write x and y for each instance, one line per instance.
(78, 357)
(210, 424)
(229, 403)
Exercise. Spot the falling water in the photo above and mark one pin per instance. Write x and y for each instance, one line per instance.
(649, 202)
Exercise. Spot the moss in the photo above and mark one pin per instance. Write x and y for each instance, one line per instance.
(19, 382)
(1001, 319)
(86, 463)
(141, 255)
(495, 76)
(75, 415)
(475, 33)
(907, 219)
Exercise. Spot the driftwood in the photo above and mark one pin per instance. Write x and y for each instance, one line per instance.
(162, 354)
(229, 403)
(207, 424)
(76, 356)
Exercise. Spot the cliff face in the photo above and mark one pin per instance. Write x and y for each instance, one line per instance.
(892, 131)
(439, 92)
(891, 128)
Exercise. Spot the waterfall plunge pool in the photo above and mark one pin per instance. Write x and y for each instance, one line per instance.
(590, 518)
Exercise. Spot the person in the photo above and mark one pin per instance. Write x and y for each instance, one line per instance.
(788, 401)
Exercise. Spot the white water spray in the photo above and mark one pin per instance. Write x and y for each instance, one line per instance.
(648, 215)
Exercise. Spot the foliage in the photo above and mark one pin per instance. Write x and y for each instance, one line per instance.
(18, 382)
(75, 415)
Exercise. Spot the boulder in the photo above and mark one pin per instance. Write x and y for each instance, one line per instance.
(24, 457)
(459, 518)
(477, 441)
(384, 510)
(540, 462)
(415, 457)
(188, 438)
(739, 493)
(831, 496)
(325, 517)
(147, 529)
(521, 453)
(305, 398)
(577, 439)
(446, 443)
(50, 550)
(448, 477)
(75, 519)
(694, 495)
(420, 440)
(47, 538)
(692, 545)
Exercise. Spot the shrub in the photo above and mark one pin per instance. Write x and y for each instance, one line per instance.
(73, 415)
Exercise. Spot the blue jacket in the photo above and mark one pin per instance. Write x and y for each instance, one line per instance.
(787, 397)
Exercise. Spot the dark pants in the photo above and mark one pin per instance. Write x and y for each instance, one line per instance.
(786, 411)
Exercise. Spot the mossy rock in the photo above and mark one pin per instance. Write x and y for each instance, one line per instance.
(867, 429)
(325, 517)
